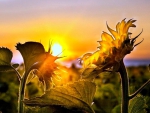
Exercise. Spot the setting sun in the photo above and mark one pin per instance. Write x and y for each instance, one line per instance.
(56, 49)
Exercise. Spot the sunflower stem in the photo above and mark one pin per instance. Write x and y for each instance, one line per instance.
(125, 88)
(22, 93)
(18, 74)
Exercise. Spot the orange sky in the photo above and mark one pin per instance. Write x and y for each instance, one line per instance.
(76, 25)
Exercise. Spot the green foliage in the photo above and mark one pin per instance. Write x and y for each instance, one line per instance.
(116, 109)
(89, 73)
(5, 59)
(137, 105)
(147, 99)
(107, 95)
(5, 56)
(77, 95)
(52, 109)
(10, 97)
(31, 52)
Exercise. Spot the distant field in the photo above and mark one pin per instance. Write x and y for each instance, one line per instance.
(137, 62)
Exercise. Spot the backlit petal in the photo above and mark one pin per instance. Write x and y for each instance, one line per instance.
(118, 27)
(122, 24)
(128, 24)
(114, 33)
(106, 37)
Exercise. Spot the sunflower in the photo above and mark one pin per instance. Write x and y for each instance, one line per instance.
(113, 48)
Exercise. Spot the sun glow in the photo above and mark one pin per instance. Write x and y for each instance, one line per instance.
(56, 49)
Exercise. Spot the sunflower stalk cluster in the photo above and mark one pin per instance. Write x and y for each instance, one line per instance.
(75, 97)
(36, 60)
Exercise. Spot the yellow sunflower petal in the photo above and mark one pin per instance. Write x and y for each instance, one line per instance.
(118, 27)
(122, 24)
(91, 59)
(116, 43)
(114, 33)
(106, 37)
(123, 37)
(85, 56)
(129, 24)
(106, 44)
(99, 57)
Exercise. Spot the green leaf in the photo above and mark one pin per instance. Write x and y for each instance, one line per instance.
(116, 109)
(5, 59)
(31, 52)
(137, 105)
(89, 74)
(52, 109)
(77, 95)
(5, 56)
(147, 99)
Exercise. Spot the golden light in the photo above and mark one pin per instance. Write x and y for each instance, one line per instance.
(56, 49)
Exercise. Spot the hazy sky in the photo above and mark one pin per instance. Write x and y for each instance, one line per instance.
(75, 24)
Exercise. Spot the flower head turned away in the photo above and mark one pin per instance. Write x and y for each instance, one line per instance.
(113, 48)
(48, 70)
(40, 62)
